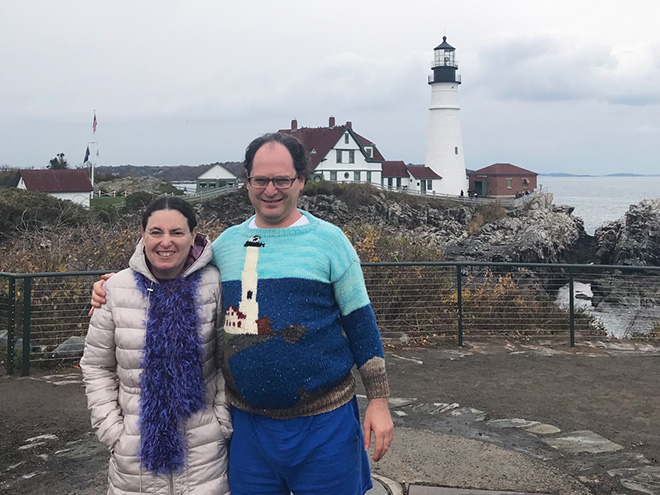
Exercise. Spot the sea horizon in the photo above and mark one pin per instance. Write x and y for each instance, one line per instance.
(600, 199)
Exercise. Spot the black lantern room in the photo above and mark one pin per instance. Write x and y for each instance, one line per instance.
(444, 64)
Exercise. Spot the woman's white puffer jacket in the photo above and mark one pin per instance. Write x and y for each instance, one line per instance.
(111, 369)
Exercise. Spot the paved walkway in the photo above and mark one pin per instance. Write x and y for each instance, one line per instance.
(441, 447)
(439, 444)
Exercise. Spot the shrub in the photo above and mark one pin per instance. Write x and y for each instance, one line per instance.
(373, 245)
(27, 210)
(485, 213)
(137, 201)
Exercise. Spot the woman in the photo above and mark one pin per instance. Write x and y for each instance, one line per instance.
(151, 369)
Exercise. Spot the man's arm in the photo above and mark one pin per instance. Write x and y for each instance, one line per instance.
(98, 294)
(361, 329)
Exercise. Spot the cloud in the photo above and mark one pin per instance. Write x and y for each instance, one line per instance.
(555, 68)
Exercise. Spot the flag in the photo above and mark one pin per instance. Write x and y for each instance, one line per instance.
(94, 124)
(86, 155)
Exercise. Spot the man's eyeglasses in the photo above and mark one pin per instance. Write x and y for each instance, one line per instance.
(278, 182)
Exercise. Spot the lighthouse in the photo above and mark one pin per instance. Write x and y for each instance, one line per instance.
(444, 151)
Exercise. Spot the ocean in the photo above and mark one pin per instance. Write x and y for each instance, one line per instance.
(600, 199)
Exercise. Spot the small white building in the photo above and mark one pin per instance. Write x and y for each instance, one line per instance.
(217, 176)
(73, 185)
(415, 178)
(338, 154)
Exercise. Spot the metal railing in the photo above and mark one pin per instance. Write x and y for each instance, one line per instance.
(441, 300)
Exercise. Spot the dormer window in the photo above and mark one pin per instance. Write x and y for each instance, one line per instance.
(370, 151)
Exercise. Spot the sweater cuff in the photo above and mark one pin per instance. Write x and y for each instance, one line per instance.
(374, 378)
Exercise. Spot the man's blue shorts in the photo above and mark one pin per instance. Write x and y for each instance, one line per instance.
(312, 455)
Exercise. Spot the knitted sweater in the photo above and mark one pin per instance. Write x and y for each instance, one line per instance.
(297, 319)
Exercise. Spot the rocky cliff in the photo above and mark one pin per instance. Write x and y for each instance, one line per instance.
(634, 239)
(536, 232)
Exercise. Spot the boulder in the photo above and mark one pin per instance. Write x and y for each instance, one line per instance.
(71, 347)
(634, 239)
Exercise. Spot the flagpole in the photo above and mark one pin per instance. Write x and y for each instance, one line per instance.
(92, 161)
(97, 146)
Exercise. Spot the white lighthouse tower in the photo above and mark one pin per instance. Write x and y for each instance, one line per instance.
(444, 151)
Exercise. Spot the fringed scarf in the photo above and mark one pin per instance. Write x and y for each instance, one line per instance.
(172, 385)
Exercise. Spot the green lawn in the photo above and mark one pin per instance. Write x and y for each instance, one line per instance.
(106, 200)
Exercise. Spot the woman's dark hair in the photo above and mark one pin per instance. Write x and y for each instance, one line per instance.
(171, 203)
(295, 147)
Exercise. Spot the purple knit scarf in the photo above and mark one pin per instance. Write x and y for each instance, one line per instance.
(172, 385)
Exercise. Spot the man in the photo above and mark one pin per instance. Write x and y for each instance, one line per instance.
(297, 318)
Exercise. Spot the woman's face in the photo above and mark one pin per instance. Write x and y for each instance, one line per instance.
(167, 242)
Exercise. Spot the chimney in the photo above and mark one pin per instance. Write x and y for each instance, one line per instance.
(349, 124)
(331, 122)
(294, 124)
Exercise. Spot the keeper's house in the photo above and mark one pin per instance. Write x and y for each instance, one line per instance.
(339, 154)
(502, 180)
(73, 185)
(399, 176)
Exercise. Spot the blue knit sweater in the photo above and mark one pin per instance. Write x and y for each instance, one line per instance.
(297, 318)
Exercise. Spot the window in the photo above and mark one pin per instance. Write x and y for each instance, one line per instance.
(508, 183)
(389, 182)
(368, 176)
(333, 176)
(356, 176)
(525, 183)
(456, 150)
(346, 175)
(346, 138)
(351, 156)
(370, 151)
(429, 184)
(338, 156)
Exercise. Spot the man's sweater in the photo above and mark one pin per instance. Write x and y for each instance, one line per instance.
(297, 318)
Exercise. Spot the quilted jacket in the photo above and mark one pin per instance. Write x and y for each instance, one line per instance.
(111, 370)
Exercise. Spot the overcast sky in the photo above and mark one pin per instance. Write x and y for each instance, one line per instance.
(551, 86)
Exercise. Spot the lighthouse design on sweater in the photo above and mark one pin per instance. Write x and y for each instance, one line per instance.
(297, 319)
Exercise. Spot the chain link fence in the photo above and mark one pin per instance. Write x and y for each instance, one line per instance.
(43, 316)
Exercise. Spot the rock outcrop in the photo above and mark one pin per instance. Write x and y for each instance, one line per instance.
(634, 239)
(537, 232)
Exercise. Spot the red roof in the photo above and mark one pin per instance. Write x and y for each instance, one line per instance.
(395, 169)
(51, 181)
(502, 169)
(423, 173)
(320, 140)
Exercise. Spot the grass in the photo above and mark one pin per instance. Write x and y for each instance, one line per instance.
(106, 201)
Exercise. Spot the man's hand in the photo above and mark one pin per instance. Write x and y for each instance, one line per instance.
(98, 294)
(377, 419)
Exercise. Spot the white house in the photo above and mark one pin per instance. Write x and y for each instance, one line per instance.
(217, 176)
(399, 176)
(73, 185)
(339, 154)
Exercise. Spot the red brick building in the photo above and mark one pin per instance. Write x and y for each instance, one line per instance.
(502, 180)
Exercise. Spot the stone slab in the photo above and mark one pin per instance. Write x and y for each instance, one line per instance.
(542, 429)
(582, 441)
